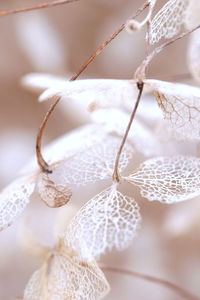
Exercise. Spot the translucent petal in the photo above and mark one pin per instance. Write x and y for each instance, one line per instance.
(167, 22)
(108, 220)
(65, 276)
(54, 195)
(13, 200)
(181, 107)
(92, 164)
(194, 55)
(67, 145)
(168, 179)
(140, 136)
(73, 142)
(96, 93)
(41, 81)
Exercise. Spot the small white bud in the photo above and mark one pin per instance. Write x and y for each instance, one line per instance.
(132, 26)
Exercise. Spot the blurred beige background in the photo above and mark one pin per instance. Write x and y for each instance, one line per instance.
(58, 40)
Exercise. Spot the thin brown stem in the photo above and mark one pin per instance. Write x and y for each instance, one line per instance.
(141, 70)
(42, 163)
(115, 176)
(175, 288)
(110, 39)
(39, 6)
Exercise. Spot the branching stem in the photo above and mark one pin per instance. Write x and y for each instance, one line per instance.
(178, 290)
(42, 163)
(115, 176)
(39, 6)
(140, 73)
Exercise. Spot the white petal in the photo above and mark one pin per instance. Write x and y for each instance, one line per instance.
(168, 179)
(108, 220)
(75, 141)
(168, 20)
(41, 81)
(13, 200)
(181, 107)
(92, 164)
(140, 136)
(96, 93)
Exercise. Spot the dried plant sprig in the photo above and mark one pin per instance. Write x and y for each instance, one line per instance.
(43, 164)
(132, 25)
(35, 7)
(140, 73)
(165, 283)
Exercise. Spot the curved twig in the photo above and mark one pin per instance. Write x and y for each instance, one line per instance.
(42, 163)
(165, 283)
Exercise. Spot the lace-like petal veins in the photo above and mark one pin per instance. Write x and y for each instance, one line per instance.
(140, 136)
(108, 220)
(93, 164)
(74, 142)
(66, 277)
(181, 107)
(192, 14)
(168, 179)
(167, 22)
(13, 200)
(54, 195)
(194, 55)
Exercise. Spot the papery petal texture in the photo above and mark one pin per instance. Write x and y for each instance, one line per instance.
(109, 220)
(13, 200)
(93, 164)
(167, 22)
(180, 104)
(168, 179)
(64, 277)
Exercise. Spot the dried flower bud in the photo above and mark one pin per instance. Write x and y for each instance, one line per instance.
(133, 26)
